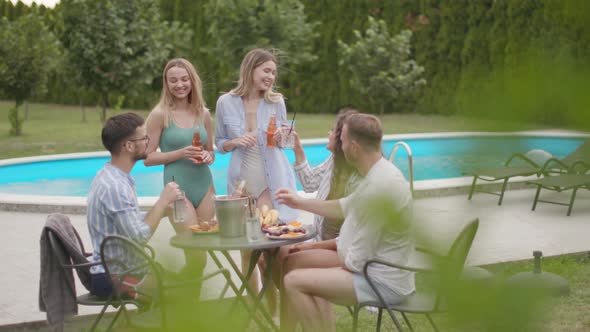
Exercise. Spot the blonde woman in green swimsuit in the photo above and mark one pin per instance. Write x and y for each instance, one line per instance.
(171, 124)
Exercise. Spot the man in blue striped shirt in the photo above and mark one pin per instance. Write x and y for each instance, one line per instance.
(113, 208)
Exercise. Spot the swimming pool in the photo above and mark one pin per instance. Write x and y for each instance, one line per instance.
(435, 157)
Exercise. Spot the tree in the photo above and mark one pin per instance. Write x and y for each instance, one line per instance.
(380, 64)
(27, 54)
(242, 25)
(118, 46)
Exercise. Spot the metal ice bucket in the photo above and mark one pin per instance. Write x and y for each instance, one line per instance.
(231, 215)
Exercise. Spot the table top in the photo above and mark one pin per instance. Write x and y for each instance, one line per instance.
(188, 240)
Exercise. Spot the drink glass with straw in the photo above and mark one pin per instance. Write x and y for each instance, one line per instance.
(253, 231)
(292, 123)
(287, 138)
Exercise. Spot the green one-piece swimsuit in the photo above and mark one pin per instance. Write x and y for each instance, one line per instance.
(194, 179)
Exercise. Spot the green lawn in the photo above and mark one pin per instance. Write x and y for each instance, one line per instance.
(59, 129)
(569, 313)
(562, 314)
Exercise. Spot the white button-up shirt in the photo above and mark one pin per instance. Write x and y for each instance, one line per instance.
(230, 123)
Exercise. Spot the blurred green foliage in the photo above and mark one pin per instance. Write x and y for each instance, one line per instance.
(235, 27)
(117, 46)
(381, 66)
(466, 48)
(28, 52)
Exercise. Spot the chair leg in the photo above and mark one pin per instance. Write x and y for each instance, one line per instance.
(355, 317)
(569, 210)
(99, 317)
(503, 190)
(472, 187)
(536, 197)
(121, 309)
(395, 321)
(431, 322)
(350, 310)
(407, 321)
(379, 316)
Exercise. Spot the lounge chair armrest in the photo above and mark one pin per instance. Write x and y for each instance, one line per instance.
(548, 166)
(521, 157)
(579, 164)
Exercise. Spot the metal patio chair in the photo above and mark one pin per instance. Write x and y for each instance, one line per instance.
(169, 301)
(420, 302)
(87, 299)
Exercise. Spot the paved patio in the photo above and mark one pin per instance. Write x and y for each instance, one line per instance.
(508, 232)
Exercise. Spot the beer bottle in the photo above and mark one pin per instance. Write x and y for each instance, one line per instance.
(270, 130)
(197, 143)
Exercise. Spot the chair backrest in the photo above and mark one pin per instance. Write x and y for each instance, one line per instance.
(460, 249)
(452, 266)
(57, 247)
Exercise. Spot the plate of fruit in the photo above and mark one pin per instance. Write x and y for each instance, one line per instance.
(290, 230)
(205, 227)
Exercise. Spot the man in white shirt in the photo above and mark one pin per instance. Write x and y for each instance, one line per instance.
(377, 219)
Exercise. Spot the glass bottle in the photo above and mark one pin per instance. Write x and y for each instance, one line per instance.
(197, 143)
(270, 130)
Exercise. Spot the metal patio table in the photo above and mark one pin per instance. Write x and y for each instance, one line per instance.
(213, 243)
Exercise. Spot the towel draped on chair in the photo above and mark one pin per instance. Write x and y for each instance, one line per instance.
(57, 290)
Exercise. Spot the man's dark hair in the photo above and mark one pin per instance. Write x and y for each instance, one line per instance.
(119, 128)
(366, 129)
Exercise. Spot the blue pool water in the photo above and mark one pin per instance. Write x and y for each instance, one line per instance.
(434, 158)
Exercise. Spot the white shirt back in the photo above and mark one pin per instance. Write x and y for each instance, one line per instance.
(377, 225)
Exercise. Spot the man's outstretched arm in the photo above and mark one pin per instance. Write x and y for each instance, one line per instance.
(329, 209)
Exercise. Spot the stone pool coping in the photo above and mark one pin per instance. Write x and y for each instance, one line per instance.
(424, 188)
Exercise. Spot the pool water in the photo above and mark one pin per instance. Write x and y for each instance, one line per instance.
(437, 158)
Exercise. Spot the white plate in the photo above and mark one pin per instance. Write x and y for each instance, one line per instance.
(282, 237)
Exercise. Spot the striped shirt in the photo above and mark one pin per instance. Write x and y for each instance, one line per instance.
(319, 179)
(113, 210)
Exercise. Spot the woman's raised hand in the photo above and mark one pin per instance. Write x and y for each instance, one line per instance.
(191, 152)
(245, 141)
(296, 140)
(205, 158)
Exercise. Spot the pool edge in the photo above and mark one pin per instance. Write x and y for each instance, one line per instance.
(422, 189)
(77, 205)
